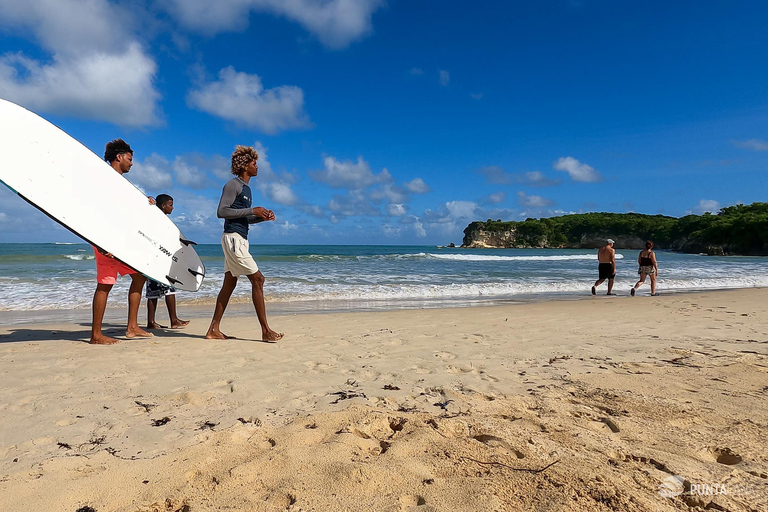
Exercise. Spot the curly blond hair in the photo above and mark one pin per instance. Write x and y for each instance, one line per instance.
(241, 157)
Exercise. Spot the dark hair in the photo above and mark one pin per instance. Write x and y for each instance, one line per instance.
(161, 199)
(114, 148)
(649, 245)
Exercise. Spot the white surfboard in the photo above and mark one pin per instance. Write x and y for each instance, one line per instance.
(79, 190)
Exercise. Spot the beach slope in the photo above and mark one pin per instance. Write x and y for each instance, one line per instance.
(608, 403)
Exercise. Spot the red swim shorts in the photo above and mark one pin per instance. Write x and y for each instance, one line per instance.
(108, 268)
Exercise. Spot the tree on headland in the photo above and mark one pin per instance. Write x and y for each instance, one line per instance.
(739, 229)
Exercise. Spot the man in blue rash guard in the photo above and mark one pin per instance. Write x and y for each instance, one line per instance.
(235, 208)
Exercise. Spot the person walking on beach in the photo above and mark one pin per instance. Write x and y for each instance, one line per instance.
(606, 266)
(648, 267)
(156, 290)
(120, 156)
(235, 208)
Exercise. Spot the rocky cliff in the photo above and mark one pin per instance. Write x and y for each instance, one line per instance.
(735, 230)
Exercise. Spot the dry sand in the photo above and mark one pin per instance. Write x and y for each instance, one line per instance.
(574, 405)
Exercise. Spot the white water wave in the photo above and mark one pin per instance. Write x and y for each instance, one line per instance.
(481, 257)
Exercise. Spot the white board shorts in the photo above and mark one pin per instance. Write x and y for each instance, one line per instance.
(237, 256)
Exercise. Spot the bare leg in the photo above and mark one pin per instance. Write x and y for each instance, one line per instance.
(99, 307)
(170, 302)
(214, 332)
(610, 286)
(257, 294)
(151, 309)
(134, 301)
(653, 284)
(597, 283)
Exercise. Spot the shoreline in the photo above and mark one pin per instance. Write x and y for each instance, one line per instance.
(243, 307)
(568, 405)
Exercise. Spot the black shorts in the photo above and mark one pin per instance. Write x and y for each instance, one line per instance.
(605, 271)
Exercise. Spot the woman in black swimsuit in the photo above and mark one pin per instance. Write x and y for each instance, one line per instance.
(648, 267)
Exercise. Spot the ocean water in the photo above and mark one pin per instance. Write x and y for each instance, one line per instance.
(37, 277)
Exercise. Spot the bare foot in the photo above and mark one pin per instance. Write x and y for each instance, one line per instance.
(271, 336)
(103, 340)
(138, 333)
(155, 325)
(215, 334)
(179, 324)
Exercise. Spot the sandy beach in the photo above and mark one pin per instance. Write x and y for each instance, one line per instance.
(592, 404)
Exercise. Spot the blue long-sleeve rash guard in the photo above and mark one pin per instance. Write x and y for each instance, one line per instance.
(235, 207)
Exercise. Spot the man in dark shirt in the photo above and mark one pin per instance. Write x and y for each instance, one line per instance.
(235, 208)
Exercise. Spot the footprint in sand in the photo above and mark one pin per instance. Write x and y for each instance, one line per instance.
(726, 456)
(445, 355)
(409, 501)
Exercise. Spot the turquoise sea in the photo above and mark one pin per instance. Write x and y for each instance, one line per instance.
(59, 276)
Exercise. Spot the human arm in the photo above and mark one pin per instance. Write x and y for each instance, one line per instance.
(228, 196)
(151, 200)
(260, 214)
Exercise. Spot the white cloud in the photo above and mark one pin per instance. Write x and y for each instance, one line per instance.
(496, 198)
(705, 205)
(287, 226)
(416, 186)
(445, 78)
(418, 229)
(461, 209)
(281, 193)
(577, 170)
(417, 71)
(533, 201)
(240, 97)
(396, 210)
(336, 23)
(389, 193)
(753, 144)
(498, 176)
(348, 174)
(189, 175)
(97, 69)
(69, 26)
(477, 96)
(353, 204)
(537, 179)
(152, 174)
(85, 86)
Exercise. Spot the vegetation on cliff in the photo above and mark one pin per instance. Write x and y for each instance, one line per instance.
(740, 229)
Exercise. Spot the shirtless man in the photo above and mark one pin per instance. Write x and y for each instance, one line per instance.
(235, 207)
(606, 266)
(120, 156)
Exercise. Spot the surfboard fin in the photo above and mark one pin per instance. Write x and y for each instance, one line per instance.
(172, 280)
(195, 272)
(187, 242)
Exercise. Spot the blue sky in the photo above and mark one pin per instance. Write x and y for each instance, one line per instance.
(399, 122)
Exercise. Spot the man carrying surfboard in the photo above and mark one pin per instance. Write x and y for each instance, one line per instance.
(235, 208)
(119, 155)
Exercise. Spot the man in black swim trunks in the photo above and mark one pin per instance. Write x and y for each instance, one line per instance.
(606, 266)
